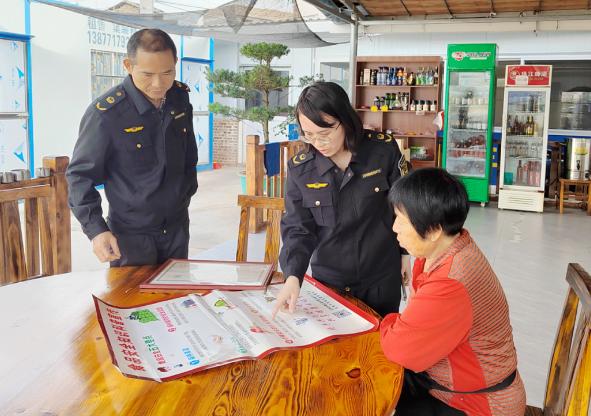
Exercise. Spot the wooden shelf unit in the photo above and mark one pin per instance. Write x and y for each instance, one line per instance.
(412, 129)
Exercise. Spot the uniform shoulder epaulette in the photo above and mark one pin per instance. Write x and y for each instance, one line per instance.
(301, 158)
(375, 136)
(182, 86)
(110, 99)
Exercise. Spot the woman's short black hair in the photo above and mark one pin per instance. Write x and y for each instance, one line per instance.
(331, 99)
(150, 40)
(431, 198)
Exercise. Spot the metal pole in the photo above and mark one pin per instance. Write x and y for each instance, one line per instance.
(353, 58)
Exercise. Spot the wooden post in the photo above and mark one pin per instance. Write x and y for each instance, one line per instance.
(59, 214)
(255, 173)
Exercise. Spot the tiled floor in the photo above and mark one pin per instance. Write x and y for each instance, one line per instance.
(528, 251)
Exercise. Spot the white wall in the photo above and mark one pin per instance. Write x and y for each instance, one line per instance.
(61, 78)
(12, 19)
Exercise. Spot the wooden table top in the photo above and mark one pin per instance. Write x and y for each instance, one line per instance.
(54, 361)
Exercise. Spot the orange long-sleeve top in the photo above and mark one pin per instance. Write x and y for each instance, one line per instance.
(456, 328)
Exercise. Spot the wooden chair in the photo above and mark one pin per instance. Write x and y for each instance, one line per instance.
(47, 246)
(274, 208)
(569, 378)
(257, 181)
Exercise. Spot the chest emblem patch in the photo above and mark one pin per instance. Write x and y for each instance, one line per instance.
(317, 185)
(133, 129)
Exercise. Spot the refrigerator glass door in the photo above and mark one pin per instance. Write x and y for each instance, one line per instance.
(468, 118)
(524, 150)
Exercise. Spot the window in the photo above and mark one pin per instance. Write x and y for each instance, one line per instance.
(277, 99)
(107, 71)
(567, 76)
(337, 72)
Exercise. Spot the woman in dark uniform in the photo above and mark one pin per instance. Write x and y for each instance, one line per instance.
(338, 218)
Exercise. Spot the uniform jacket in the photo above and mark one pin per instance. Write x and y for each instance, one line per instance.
(144, 156)
(344, 231)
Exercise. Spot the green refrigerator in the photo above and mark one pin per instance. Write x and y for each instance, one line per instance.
(469, 115)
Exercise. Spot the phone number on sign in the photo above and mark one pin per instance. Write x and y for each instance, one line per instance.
(106, 39)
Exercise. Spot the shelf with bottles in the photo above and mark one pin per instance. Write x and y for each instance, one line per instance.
(523, 172)
(400, 75)
(466, 168)
(457, 129)
(396, 111)
(399, 87)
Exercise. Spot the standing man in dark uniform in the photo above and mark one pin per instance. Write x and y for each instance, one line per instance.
(138, 140)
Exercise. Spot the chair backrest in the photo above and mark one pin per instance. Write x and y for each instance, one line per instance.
(274, 208)
(569, 378)
(47, 243)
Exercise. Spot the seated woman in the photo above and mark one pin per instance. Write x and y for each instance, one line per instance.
(454, 338)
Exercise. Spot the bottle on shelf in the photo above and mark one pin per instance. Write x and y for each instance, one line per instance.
(410, 80)
(433, 107)
(436, 76)
(519, 174)
(509, 129)
(413, 106)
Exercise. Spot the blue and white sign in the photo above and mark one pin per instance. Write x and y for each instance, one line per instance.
(13, 82)
(194, 76)
(14, 149)
(201, 127)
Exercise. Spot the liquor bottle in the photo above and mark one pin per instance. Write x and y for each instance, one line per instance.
(396, 101)
(420, 76)
(519, 173)
(404, 76)
(436, 76)
(411, 79)
(430, 76)
(433, 107)
(413, 106)
(509, 128)
(536, 130)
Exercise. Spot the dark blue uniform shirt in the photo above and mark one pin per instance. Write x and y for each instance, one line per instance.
(145, 157)
(339, 223)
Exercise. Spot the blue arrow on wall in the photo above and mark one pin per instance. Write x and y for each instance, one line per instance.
(18, 152)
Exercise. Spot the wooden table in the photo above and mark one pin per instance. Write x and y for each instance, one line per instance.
(54, 361)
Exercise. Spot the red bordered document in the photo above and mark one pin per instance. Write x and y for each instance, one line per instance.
(209, 274)
(170, 339)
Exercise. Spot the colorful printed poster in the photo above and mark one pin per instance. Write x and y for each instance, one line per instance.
(174, 338)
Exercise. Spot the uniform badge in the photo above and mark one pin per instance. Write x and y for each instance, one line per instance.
(297, 159)
(98, 106)
(403, 166)
(371, 173)
(317, 185)
(110, 100)
(380, 136)
(179, 115)
(133, 129)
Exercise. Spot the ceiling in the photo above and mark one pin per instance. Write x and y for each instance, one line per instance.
(429, 10)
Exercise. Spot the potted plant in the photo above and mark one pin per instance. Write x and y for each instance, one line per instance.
(261, 79)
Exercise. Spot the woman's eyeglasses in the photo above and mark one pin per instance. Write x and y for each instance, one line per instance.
(320, 139)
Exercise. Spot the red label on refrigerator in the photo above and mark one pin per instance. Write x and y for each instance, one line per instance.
(528, 75)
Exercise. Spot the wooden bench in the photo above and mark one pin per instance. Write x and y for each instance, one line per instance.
(47, 238)
(569, 379)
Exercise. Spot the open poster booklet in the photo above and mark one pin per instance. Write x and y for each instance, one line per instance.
(170, 339)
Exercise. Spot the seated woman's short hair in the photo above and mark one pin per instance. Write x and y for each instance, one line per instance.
(431, 198)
